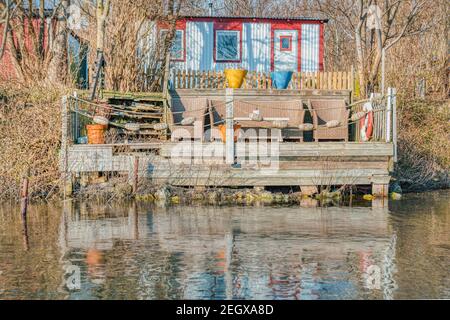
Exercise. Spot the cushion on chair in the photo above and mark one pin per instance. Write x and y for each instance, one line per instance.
(189, 121)
(333, 124)
(306, 127)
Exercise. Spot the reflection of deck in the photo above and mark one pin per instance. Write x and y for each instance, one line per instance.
(190, 229)
(203, 164)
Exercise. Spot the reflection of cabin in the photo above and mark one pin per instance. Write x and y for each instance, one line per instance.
(255, 44)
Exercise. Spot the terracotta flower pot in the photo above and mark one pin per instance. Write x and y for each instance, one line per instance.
(96, 133)
(223, 132)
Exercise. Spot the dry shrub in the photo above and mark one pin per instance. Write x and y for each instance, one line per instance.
(30, 131)
(424, 145)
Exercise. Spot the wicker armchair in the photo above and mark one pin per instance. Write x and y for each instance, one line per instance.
(324, 111)
(183, 109)
(291, 110)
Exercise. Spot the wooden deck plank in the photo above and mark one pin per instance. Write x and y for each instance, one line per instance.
(299, 164)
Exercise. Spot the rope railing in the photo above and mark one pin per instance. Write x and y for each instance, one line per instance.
(120, 111)
(115, 111)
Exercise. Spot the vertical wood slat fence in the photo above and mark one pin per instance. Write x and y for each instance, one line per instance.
(191, 79)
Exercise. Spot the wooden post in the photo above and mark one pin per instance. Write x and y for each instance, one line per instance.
(76, 119)
(229, 126)
(24, 208)
(64, 134)
(380, 186)
(383, 70)
(309, 190)
(394, 124)
(24, 196)
(64, 167)
(388, 115)
(166, 76)
(135, 174)
(380, 190)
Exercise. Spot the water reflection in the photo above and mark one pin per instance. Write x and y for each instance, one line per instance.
(226, 253)
(134, 251)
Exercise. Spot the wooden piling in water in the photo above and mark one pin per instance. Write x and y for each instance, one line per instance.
(24, 196)
(24, 208)
(135, 174)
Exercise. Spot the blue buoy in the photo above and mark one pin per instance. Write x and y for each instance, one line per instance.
(281, 79)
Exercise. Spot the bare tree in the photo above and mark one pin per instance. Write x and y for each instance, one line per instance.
(6, 13)
(395, 20)
(58, 67)
(27, 35)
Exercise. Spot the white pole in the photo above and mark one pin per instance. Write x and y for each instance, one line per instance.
(76, 123)
(388, 115)
(229, 126)
(64, 136)
(383, 71)
(394, 123)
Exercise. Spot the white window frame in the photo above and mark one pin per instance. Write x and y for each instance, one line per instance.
(238, 34)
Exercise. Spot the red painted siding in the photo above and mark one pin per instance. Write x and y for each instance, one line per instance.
(7, 70)
(277, 25)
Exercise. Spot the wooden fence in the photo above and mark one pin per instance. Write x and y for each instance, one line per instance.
(341, 80)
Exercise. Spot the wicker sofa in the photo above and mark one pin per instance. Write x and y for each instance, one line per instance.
(291, 111)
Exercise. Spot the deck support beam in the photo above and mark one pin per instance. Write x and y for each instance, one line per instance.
(380, 186)
(309, 190)
(380, 190)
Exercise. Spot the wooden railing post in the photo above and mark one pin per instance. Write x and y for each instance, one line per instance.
(135, 174)
(64, 134)
(394, 123)
(389, 115)
(229, 126)
(66, 176)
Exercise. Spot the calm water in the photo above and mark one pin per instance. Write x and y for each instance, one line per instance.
(145, 252)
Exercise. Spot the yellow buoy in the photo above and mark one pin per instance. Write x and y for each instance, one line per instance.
(396, 196)
(368, 197)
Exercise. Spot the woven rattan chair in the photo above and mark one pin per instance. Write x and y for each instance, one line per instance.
(324, 111)
(185, 108)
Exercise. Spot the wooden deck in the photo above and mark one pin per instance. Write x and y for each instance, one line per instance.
(203, 164)
(208, 164)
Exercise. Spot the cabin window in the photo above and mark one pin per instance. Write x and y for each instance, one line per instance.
(227, 46)
(177, 49)
(286, 43)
